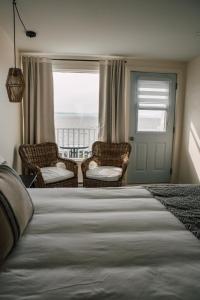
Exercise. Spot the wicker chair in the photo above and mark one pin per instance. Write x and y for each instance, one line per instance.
(109, 155)
(39, 157)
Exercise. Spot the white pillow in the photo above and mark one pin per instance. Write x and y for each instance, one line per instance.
(92, 165)
(60, 164)
(2, 160)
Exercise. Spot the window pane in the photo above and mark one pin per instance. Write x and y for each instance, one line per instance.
(151, 120)
(76, 98)
(152, 92)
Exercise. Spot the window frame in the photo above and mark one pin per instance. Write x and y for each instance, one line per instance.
(75, 66)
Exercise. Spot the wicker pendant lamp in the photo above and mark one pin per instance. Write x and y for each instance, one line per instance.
(15, 84)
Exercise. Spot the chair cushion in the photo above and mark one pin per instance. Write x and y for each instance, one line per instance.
(55, 174)
(104, 173)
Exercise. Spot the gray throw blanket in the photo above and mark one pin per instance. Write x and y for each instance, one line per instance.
(181, 200)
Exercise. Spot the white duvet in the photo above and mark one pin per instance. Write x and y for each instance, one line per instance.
(101, 244)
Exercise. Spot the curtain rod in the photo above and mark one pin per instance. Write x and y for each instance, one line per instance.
(74, 59)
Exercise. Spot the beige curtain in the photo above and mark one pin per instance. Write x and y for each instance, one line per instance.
(112, 101)
(38, 105)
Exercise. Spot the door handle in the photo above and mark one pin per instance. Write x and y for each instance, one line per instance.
(131, 138)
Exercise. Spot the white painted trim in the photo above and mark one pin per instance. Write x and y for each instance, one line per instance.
(75, 66)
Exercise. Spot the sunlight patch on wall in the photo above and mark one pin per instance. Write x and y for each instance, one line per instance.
(194, 149)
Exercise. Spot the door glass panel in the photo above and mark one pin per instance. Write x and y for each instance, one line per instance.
(153, 93)
(151, 120)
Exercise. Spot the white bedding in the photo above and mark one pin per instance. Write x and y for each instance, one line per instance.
(102, 244)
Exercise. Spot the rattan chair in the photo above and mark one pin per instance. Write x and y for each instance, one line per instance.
(114, 155)
(39, 157)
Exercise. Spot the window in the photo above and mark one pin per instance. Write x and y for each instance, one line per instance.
(76, 97)
(152, 105)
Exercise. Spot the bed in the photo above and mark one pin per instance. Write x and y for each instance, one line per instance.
(112, 243)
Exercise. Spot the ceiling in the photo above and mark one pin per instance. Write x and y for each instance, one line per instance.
(159, 29)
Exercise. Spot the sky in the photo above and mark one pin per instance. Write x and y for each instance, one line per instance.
(76, 92)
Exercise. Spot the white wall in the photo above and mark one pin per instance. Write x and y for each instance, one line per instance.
(190, 154)
(9, 112)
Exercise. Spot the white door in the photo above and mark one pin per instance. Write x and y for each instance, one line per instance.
(151, 127)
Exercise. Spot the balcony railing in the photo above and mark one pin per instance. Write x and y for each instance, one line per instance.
(76, 142)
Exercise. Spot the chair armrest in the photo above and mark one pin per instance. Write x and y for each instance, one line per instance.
(35, 170)
(85, 164)
(70, 165)
(32, 168)
(124, 165)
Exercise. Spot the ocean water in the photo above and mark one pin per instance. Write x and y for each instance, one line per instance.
(76, 120)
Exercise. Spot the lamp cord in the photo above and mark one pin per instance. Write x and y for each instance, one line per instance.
(14, 35)
(14, 27)
(19, 16)
(29, 33)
